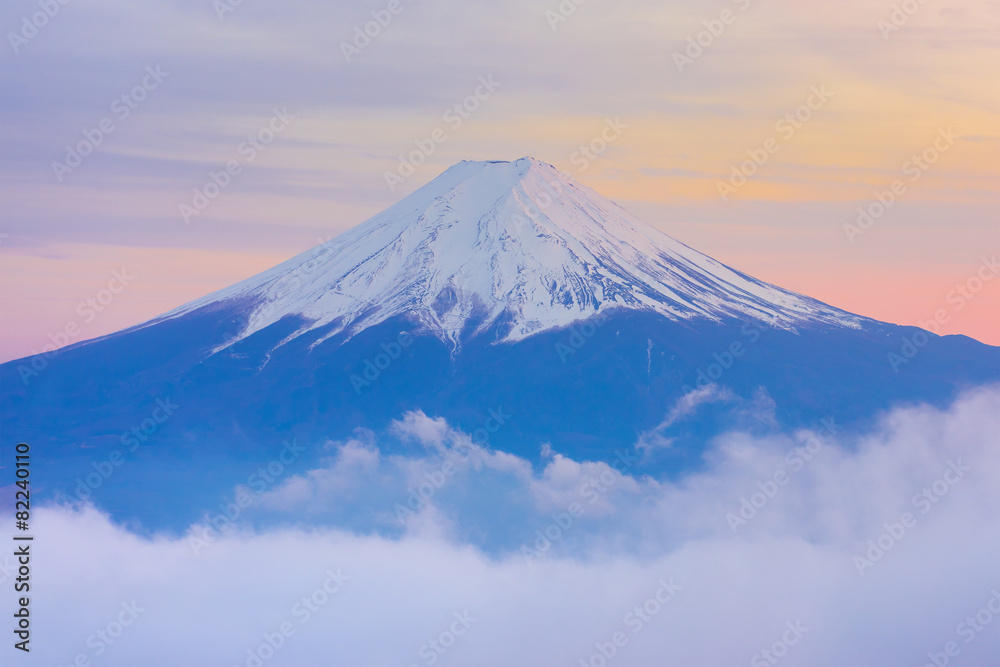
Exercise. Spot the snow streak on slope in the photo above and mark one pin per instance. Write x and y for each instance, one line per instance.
(507, 244)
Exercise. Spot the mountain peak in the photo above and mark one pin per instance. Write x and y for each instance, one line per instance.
(512, 247)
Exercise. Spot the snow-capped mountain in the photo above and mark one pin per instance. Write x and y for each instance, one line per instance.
(515, 242)
(496, 289)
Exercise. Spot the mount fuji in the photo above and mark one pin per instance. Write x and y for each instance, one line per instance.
(502, 296)
(513, 248)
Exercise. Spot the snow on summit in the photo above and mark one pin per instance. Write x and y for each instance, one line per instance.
(510, 243)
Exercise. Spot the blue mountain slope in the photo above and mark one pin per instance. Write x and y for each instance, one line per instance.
(570, 324)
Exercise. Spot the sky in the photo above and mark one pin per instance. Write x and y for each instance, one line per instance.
(751, 130)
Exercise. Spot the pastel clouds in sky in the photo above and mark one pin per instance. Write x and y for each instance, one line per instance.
(891, 94)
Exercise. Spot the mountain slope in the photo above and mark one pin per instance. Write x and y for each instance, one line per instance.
(510, 242)
(495, 289)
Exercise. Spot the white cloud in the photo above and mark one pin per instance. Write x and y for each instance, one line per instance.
(792, 562)
(685, 406)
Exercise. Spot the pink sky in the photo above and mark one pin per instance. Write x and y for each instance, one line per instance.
(833, 106)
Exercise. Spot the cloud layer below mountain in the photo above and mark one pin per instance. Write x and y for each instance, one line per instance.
(878, 548)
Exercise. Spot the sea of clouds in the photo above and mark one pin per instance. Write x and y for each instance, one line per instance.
(816, 548)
